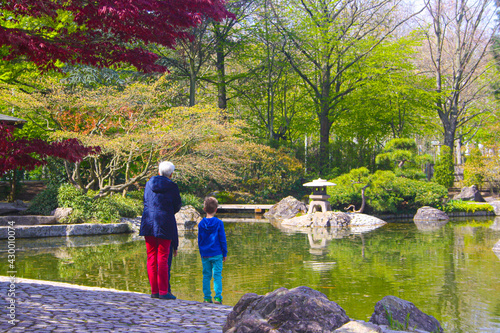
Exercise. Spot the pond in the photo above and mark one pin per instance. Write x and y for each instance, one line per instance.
(449, 272)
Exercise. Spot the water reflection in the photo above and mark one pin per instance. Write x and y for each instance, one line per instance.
(450, 273)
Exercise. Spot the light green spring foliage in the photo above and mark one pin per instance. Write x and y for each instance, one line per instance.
(474, 169)
(466, 206)
(444, 169)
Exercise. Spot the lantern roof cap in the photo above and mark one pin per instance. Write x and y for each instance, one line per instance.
(319, 183)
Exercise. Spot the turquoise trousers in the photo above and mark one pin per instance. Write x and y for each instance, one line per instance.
(212, 266)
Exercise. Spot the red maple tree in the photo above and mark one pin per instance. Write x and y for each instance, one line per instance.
(103, 32)
(21, 153)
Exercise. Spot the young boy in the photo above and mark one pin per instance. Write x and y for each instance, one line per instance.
(213, 250)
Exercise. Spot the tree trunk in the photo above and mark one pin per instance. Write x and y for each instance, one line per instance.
(449, 136)
(221, 75)
(192, 83)
(324, 143)
(13, 187)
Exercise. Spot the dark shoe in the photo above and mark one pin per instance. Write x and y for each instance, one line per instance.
(168, 296)
(217, 300)
(207, 300)
(155, 295)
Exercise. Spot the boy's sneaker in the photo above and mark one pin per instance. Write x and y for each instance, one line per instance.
(207, 300)
(217, 300)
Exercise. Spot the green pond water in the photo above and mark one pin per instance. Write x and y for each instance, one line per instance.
(449, 272)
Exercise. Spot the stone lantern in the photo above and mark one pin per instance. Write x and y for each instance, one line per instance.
(319, 196)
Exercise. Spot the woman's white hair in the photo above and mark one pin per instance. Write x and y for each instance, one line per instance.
(166, 168)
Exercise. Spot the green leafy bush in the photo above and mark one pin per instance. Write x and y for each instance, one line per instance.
(474, 169)
(128, 206)
(443, 169)
(191, 199)
(386, 192)
(466, 206)
(44, 202)
(85, 208)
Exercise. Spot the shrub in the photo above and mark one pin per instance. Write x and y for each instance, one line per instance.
(474, 169)
(466, 206)
(85, 208)
(386, 193)
(44, 202)
(128, 206)
(443, 169)
(193, 200)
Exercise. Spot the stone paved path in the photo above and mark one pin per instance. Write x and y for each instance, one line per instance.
(43, 306)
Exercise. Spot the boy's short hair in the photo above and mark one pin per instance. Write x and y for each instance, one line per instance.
(210, 205)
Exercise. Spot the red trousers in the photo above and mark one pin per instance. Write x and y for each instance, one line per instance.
(158, 250)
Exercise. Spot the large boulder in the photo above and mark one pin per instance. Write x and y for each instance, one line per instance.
(469, 194)
(61, 213)
(358, 219)
(431, 214)
(297, 310)
(187, 218)
(496, 206)
(358, 327)
(286, 208)
(319, 219)
(392, 309)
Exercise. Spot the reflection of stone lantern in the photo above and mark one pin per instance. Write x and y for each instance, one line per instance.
(319, 196)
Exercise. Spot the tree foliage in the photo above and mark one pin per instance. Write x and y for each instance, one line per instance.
(474, 169)
(98, 32)
(21, 153)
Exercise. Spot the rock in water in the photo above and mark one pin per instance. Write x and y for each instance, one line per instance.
(427, 213)
(392, 308)
(187, 218)
(286, 208)
(297, 310)
(319, 219)
(358, 327)
(469, 194)
(496, 206)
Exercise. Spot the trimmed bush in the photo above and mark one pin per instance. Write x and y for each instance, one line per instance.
(44, 202)
(443, 169)
(386, 192)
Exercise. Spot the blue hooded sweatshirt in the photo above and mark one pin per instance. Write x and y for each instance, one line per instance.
(211, 237)
(161, 201)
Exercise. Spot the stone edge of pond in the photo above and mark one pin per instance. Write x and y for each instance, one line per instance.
(61, 307)
(42, 305)
(453, 214)
(63, 230)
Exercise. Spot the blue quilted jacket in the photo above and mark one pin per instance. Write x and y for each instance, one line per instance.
(161, 201)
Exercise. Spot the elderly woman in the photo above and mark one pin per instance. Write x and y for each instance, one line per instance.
(159, 228)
